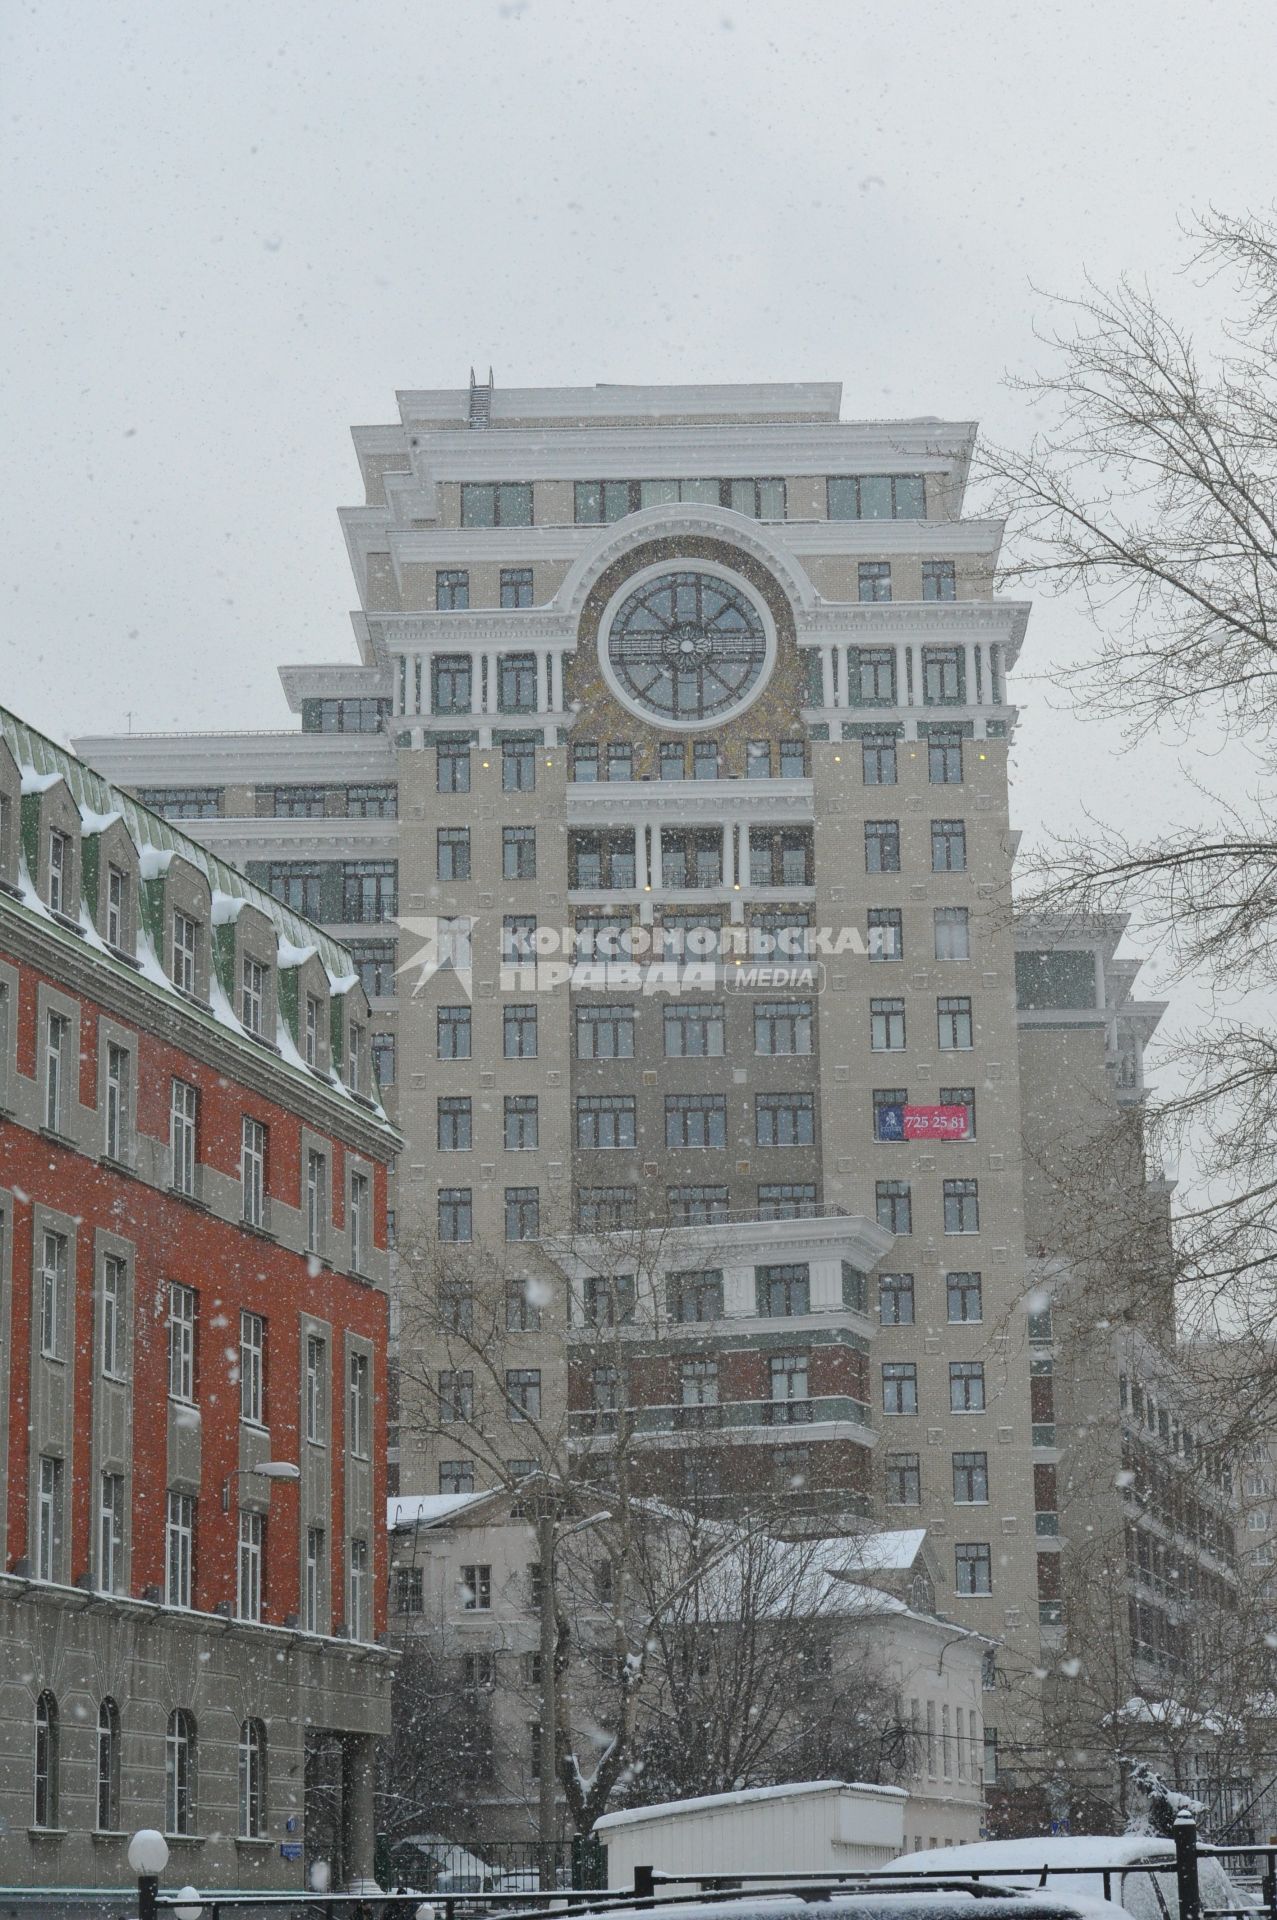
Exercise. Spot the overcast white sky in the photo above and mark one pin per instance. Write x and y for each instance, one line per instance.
(236, 229)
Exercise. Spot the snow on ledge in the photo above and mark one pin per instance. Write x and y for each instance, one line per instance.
(34, 782)
(747, 1797)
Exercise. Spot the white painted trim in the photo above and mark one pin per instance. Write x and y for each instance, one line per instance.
(644, 576)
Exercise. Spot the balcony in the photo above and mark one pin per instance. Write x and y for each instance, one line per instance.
(787, 1413)
(747, 1421)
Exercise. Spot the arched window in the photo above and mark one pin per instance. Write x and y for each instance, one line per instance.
(46, 1761)
(108, 1767)
(179, 1773)
(252, 1780)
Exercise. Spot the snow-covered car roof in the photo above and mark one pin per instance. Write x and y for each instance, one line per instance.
(1039, 1850)
(911, 1903)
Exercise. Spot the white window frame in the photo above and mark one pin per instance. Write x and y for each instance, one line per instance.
(181, 1342)
(54, 1275)
(315, 1396)
(360, 1207)
(359, 1405)
(56, 1029)
(311, 1031)
(184, 969)
(252, 1167)
(183, 1135)
(316, 1190)
(111, 1532)
(312, 1580)
(250, 1565)
(179, 1548)
(118, 1078)
(115, 1286)
(253, 983)
(357, 1613)
(252, 1367)
(116, 907)
(50, 1531)
(59, 870)
(253, 1811)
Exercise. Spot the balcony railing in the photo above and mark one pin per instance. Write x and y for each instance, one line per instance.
(786, 1413)
(650, 1421)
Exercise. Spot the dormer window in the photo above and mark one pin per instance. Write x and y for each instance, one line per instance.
(356, 1076)
(253, 995)
(185, 938)
(117, 906)
(59, 871)
(311, 1035)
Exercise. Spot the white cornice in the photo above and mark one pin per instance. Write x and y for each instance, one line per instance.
(705, 451)
(821, 399)
(235, 759)
(682, 802)
(264, 836)
(332, 680)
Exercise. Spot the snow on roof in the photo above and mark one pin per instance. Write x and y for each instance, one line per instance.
(288, 955)
(747, 1797)
(1042, 1850)
(430, 1509)
(92, 822)
(885, 1552)
(35, 782)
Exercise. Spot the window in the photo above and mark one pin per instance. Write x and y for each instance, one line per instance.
(113, 1319)
(522, 1213)
(696, 1297)
(45, 1808)
(355, 1057)
(943, 677)
(874, 580)
(342, 716)
(452, 860)
(787, 1200)
(887, 1026)
(181, 1342)
(758, 759)
(518, 766)
(695, 1120)
(117, 907)
(253, 996)
(783, 1291)
(944, 759)
(299, 803)
(895, 1299)
(878, 759)
(698, 1383)
(315, 1390)
(872, 677)
(971, 1479)
(904, 1480)
(953, 933)
(452, 589)
(359, 1405)
(605, 1032)
(784, 1119)
(179, 1773)
(521, 1122)
(693, 1031)
(886, 934)
(48, 1519)
(453, 1123)
(961, 1206)
(452, 1033)
(108, 1768)
(522, 1311)
(298, 884)
(606, 1120)
(456, 1476)
(585, 762)
(966, 1386)
(948, 846)
(696, 1206)
(606, 1209)
(620, 760)
(252, 1357)
(456, 1395)
(409, 1597)
(517, 683)
(965, 1297)
(876, 496)
(953, 1023)
(53, 1294)
(519, 856)
(516, 586)
(974, 1569)
(605, 1390)
(597, 502)
(252, 1780)
(789, 1387)
(783, 1027)
(882, 846)
(59, 872)
(523, 1392)
(252, 1164)
(379, 802)
(893, 1205)
(961, 1097)
(357, 1610)
(370, 891)
(183, 803)
(185, 952)
(456, 1213)
(56, 1035)
(179, 1549)
(938, 580)
(899, 1387)
(609, 1300)
(316, 1201)
(382, 1054)
(519, 1032)
(452, 764)
(504, 503)
(248, 1581)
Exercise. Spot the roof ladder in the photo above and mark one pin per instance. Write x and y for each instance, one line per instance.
(480, 400)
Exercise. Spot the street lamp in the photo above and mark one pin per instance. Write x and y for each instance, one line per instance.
(268, 1469)
(188, 1906)
(148, 1857)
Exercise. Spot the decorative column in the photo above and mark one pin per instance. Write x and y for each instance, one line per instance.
(640, 856)
(726, 862)
(841, 696)
(827, 673)
(358, 1767)
(968, 655)
(658, 872)
(742, 872)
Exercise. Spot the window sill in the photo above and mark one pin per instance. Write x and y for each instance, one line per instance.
(259, 1233)
(47, 1833)
(60, 1140)
(254, 1842)
(186, 1839)
(191, 1199)
(108, 1833)
(114, 1165)
(121, 953)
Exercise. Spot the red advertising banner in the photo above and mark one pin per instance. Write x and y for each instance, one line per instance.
(935, 1123)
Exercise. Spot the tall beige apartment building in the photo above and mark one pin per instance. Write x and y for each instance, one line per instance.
(665, 811)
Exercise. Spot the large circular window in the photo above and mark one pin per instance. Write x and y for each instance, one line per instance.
(687, 646)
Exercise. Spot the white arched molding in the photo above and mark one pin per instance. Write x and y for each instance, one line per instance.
(754, 538)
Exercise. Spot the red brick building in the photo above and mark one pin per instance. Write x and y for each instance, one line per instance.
(193, 1325)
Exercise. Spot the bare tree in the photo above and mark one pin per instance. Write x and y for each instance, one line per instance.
(1151, 491)
(440, 1755)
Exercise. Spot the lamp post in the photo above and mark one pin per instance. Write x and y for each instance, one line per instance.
(148, 1857)
(268, 1470)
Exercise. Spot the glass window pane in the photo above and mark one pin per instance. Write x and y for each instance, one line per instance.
(771, 499)
(842, 498)
(516, 504)
(706, 492)
(741, 496)
(657, 493)
(875, 496)
(589, 502)
(616, 499)
(478, 506)
(911, 498)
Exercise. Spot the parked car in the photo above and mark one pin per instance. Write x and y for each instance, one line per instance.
(1127, 1857)
(953, 1899)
